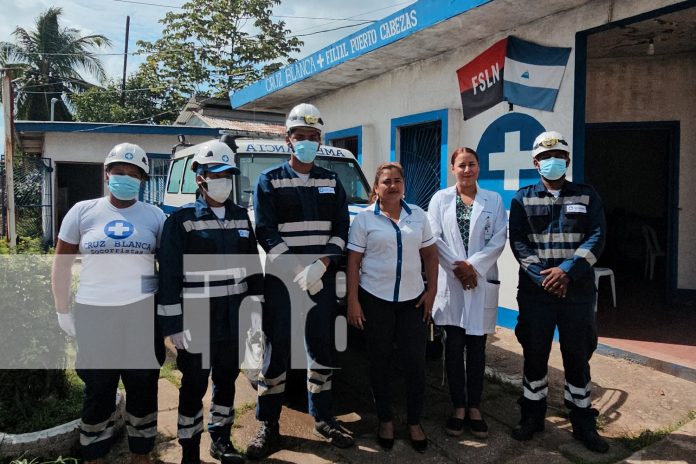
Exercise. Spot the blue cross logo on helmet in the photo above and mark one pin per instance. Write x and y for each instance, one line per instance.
(128, 156)
(225, 158)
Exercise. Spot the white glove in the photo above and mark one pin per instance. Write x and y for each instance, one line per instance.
(181, 340)
(316, 288)
(66, 321)
(310, 275)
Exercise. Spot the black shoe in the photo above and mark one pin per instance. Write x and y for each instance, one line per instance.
(384, 443)
(190, 455)
(224, 452)
(332, 432)
(592, 440)
(524, 431)
(419, 445)
(266, 439)
(455, 426)
(478, 427)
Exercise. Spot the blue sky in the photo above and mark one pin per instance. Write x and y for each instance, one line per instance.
(109, 19)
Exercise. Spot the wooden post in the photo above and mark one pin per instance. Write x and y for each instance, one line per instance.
(8, 102)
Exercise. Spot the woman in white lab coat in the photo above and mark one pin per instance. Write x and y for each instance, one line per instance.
(470, 225)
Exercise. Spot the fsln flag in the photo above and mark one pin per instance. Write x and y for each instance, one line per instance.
(533, 73)
(481, 80)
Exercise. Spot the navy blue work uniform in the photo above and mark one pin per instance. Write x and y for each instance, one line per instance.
(567, 231)
(194, 229)
(296, 218)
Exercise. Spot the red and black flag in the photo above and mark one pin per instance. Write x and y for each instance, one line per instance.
(481, 80)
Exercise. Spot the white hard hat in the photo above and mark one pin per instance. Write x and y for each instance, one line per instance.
(547, 141)
(304, 115)
(215, 152)
(128, 153)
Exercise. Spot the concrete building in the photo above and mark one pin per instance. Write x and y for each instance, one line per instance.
(624, 104)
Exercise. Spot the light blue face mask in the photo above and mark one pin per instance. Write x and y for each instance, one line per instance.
(305, 150)
(552, 168)
(124, 187)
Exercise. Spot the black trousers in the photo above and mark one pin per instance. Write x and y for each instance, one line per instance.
(223, 369)
(577, 331)
(401, 323)
(118, 343)
(465, 381)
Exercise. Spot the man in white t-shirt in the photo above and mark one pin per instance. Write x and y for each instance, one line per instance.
(114, 319)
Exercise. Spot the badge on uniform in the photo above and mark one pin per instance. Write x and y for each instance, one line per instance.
(326, 190)
(244, 233)
(576, 209)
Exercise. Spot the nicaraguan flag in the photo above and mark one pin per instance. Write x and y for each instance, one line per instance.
(533, 73)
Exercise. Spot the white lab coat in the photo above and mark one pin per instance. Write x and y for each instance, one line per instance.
(474, 310)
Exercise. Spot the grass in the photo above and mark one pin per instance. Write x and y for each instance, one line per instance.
(52, 410)
(635, 442)
(168, 371)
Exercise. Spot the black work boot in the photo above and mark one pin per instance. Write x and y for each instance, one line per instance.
(533, 415)
(224, 451)
(584, 423)
(190, 454)
(265, 440)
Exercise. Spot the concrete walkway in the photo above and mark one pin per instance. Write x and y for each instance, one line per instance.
(637, 405)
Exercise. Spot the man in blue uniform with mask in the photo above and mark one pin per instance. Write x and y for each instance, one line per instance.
(557, 232)
(302, 223)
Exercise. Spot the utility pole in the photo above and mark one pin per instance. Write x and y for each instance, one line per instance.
(8, 102)
(125, 64)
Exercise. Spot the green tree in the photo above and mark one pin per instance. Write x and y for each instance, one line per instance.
(146, 100)
(48, 60)
(214, 46)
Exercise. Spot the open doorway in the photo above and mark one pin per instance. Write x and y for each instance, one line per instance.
(76, 182)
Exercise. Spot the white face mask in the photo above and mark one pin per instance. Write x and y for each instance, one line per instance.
(219, 189)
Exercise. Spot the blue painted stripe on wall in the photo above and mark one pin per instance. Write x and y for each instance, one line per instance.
(507, 318)
(349, 132)
(403, 23)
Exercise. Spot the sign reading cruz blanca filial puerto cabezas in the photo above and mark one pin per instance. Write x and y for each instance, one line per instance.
(341, 50)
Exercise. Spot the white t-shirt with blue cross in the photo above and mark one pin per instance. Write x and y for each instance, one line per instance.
(117, 247)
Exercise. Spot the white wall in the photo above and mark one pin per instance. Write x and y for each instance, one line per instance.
(655, 88)
(432, 85)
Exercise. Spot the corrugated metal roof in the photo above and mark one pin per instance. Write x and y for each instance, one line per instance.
(250, 126)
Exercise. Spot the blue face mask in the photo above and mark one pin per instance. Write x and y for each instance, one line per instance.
(305, 150)
(124, 187)
(552, 168)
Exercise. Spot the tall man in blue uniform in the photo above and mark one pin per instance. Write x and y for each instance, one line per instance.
(215, 281)
(557, 232)
(301, 214)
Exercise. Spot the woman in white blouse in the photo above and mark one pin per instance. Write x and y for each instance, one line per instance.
(387, 297)
(469, 224)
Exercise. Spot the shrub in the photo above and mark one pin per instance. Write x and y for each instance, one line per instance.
(34, 358)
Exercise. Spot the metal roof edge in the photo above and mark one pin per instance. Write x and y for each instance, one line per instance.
(111, 128)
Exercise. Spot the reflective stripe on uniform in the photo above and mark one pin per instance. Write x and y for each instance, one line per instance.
(338, 241)
(307, 240)
(302, 226)
(587, 254)
(550, 200)
(214, 291)
(579, 396)
(271, 386)
(566, 237)
(277, 250)
(318, 382)
(297, 182)
(169, 310)
(555, 253)
(535, 390)
(220, 416)
(213, 224)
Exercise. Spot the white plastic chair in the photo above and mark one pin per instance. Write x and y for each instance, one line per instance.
(603, 272)
(652, 251)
